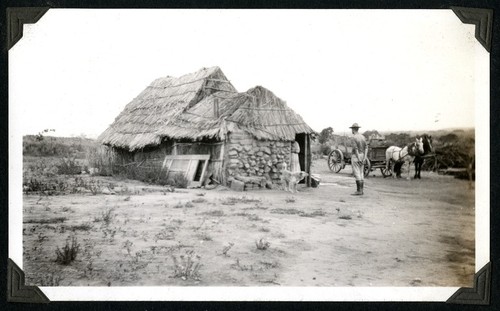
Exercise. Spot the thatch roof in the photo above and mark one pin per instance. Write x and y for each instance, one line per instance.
(257, 111)
(160, 103)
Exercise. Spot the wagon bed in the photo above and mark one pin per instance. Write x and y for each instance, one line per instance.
(341, 156)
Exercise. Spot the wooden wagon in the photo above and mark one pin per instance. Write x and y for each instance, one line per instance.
(341, 156)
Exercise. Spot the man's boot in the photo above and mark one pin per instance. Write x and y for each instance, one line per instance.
(361, 184)
(358, 186)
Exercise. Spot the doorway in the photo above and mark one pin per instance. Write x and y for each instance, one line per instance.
(304, 156)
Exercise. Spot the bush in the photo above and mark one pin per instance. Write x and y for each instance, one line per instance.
(68, 252)
(325, 149)
(262, 244)
(68, 166)
(178, 181)
(44, 186)
(106, 216)
(101, 158)
(187, 267)
(94, 186)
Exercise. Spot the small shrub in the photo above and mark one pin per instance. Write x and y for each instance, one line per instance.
(325, 149)
(162, 180)
(179, 205)
(147, 176)
(262, 244)
(199, 200)
(345, 217)
(128, 246)
(204, 236)
(178, 181)
(269, 265)
(68, 166)
(215, 213)
(102, 158)
(81, 227)
(288, 211)
(67, 210)
(317, 213)
(165, 235)
(226, 248)
(68, 253)
(187, 266)
(239, 266)
(243, 199)
(54, 220)
(41, 237)
(33, 185)
(50, 280)
(253, 217)
(94, 186)
(106, 216)
(44, 186)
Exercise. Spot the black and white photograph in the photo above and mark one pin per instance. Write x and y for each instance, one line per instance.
(225, 154)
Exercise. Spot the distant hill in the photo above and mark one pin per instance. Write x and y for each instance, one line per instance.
(441, 132)
(37, 145)
(398, 138)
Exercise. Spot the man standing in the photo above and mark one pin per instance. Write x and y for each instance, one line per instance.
(359, 150)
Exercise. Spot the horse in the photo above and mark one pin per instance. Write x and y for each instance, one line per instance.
(403, 155)
(419, 159)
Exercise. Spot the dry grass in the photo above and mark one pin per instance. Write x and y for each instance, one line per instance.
(68, 253)
(54, 220)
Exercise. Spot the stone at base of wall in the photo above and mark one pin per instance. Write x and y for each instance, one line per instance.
(237, 185)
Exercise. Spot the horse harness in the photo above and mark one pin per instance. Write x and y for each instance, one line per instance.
(410, 147)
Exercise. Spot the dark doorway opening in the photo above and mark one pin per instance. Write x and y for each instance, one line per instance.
(199, 171)
(304, 155)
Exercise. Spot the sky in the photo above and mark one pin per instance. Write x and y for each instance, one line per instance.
(389, 70)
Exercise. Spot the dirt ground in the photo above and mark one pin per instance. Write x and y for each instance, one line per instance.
(400, 233)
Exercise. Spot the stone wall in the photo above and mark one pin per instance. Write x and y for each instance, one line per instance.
(248, 157)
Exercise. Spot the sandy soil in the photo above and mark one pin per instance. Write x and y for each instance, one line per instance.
(400, 233)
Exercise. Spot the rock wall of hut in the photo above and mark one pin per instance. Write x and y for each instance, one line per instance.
(248, 157)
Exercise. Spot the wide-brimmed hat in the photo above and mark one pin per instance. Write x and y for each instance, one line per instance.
(355, 126)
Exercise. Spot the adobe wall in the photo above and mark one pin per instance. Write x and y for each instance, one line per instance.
(246, 156)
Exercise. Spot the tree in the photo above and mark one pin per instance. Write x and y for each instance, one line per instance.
(401, 139)
(458, 154)
(370, 134)
(40, 136)
(325, 135)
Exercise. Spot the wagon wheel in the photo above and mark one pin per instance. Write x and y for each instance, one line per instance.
(386, 172)
(336, 161)
(367, 167)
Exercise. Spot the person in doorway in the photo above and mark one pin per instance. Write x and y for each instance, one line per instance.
(294, 161)
(359, 150)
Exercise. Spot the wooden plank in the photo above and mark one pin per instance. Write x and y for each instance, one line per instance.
(188, 157)
(191, 172)
(308, 159)
(202, 177)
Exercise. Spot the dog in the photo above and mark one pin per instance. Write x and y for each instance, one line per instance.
(290, 180)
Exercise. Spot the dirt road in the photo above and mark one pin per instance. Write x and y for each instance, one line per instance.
(400, 233)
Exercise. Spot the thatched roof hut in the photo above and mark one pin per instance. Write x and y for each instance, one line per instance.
(257, 111)
(248, 133)
(159, 105)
